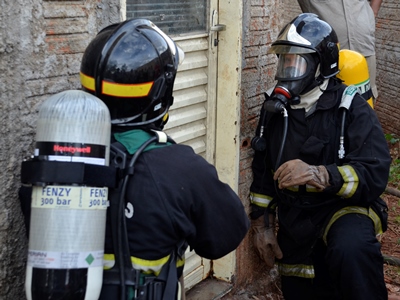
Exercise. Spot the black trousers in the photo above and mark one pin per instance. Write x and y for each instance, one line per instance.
(349, 267)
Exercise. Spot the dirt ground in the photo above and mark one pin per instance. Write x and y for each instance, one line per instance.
(390, 239)
(391, 247)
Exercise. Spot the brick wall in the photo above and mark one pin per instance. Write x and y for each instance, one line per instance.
(261, 23)
(388, 66)
(41, 43)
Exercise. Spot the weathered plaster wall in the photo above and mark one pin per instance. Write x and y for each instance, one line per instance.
(41, 43)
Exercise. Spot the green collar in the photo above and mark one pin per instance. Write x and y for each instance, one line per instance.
(133, 139)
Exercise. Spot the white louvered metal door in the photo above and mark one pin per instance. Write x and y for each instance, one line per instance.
(193, 25)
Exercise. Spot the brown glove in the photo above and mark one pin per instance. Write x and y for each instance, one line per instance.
(297, 172)
(265, 241)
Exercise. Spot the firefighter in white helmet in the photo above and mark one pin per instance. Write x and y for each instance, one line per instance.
(355, 24)
(327, 198)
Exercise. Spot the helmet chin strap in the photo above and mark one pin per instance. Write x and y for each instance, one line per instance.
(132, 122)
(318, 80)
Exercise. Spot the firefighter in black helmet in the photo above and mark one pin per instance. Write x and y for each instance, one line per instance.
(131, 67)
(174, 197)
(322, 166)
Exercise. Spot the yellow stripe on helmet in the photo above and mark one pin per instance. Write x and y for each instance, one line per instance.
(118, 89)
(87, 82)
(127, 90)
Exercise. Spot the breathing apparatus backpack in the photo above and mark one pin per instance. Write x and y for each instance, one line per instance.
(353, 70)
(64, 201)
(122, 279)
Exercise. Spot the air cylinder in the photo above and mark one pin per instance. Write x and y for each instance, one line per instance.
(67, 226)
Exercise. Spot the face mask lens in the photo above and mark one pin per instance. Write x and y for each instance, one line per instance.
(291, 66)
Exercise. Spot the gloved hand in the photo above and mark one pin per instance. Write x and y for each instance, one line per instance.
(297, 172)
(265, 241)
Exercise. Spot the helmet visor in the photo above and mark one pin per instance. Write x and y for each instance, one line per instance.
(291, 66)
(176, 51)
(289, 48)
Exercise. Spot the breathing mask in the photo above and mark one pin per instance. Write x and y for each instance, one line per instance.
(296, 75)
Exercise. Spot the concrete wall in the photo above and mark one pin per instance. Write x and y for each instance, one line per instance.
(41, 43)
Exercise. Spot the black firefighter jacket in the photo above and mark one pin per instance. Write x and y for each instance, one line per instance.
(357, 180)
(175, 195)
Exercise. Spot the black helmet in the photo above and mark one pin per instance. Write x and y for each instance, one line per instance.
(131, 66)
(307, 34)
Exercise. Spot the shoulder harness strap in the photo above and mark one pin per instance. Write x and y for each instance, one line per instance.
(123, 273)
(345, 103)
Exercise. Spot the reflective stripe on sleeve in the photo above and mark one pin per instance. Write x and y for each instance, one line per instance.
(309, 189)
(350, 179)
(260, 200)
(108, 261)
(304, 271)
